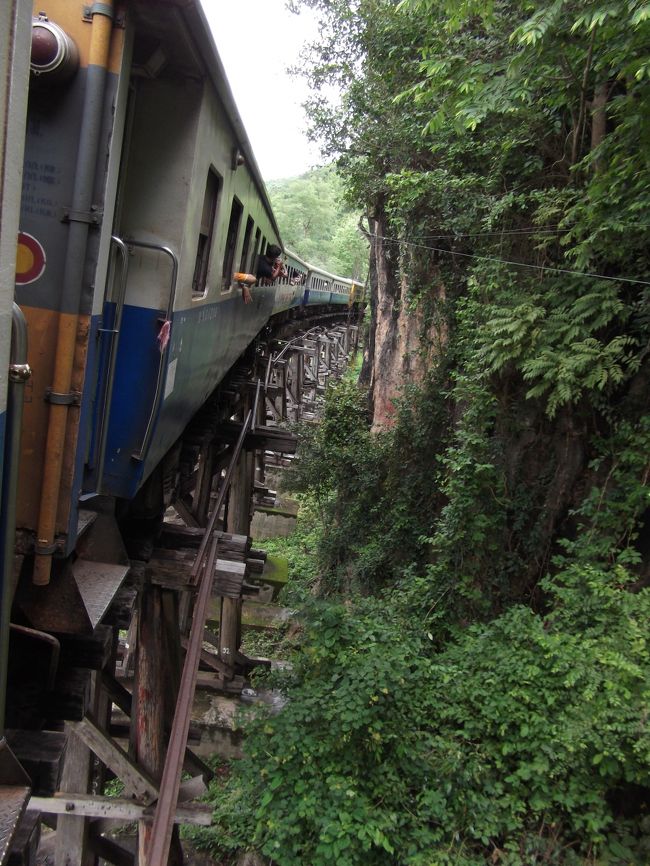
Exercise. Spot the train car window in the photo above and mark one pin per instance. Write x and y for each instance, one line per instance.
(244, 266)
(256, 249)
(210, 198)
(231, 242)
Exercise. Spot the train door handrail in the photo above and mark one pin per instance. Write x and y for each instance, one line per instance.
(114, 334)
(164, 351)
(204, 566)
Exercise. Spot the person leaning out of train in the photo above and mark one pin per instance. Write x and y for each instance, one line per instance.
(269, 268)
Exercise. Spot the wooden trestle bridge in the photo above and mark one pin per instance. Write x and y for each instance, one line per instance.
(123, 708)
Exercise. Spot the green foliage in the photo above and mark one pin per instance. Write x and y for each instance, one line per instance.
(317, 223)
(610, 519)
(298, 549)
(114, 788)
(231, 815)
(372, 513)
(518, 743)
(474, 688)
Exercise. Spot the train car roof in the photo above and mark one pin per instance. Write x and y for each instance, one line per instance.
(316, 269)
(150, 13)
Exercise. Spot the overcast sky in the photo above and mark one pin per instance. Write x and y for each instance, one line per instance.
(257, 40)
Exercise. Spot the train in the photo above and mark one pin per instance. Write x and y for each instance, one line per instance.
(141, 199)
(138, 207)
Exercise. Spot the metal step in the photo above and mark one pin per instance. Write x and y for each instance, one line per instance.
(13, 800)
(85, 520)
(97, 583)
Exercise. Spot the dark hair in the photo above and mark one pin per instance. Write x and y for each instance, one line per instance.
(273, 251)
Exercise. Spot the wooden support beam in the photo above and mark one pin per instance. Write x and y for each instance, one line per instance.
(72, 831)
(209, 660)
(171, 569)
(274, 412)
(91, 651)
(240, 495)
(203, 488)
(121, 697)
(41, 756)
(116, 692)
(175, 535)
(135, 778)
(92, 806)
(228, 629)
(249, 663)
(185, 513)
(218, 683)
(26, 841)
(71, 697)
(147, 719)
(228, 578)
(175, 574)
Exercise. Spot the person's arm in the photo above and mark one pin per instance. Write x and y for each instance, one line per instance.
(245, 281)
(279, 269)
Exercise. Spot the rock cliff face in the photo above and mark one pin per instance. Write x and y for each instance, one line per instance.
(400, 343)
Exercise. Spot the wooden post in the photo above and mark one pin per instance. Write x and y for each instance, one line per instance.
(285, 387)
(203, 489)
(148, 697)
(239, 501)
(72, 839)
(300, 382)
(241, 490)
(72, 831)
(172, 651)
(228, 630)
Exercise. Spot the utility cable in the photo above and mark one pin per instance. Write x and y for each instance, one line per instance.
(541, 230)
(545, 230)
(515, 264)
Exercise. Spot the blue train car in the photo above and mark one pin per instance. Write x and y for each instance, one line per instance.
(325, 289)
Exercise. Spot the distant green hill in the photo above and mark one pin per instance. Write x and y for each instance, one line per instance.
(317, 224)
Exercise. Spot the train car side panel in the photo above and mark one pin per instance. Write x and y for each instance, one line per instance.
(69, 127)
(14, 71)
(180, 151)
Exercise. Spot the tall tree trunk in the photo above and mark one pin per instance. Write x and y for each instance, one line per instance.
(599, 118)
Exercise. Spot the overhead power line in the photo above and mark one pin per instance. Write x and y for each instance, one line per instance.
(513, 263)
(540, 230)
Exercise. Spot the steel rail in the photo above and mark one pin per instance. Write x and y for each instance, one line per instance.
(258, 388)
(163, 820)
(275, 358)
